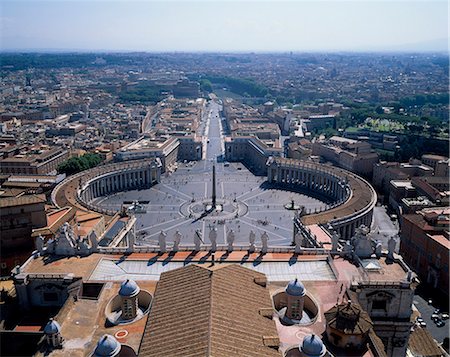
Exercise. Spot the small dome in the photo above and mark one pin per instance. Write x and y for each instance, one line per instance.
(295, 288)
(107, 346)
(129, 288)
(52, 327)
(313, 346)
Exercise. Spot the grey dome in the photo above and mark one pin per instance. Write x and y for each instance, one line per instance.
(129, 288)
(313, 346)
(295, 288)
(52, 327)
(107, 346)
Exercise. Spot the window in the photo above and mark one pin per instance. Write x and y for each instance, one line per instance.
(379, 305)
(296, 309)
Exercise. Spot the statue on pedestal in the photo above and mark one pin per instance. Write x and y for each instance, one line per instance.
(335, 241)
(391, 248)
(162, 241)
(230, 240)
(362, 242)
(264, 242)
(213, 238)
(378, 248)
(197, 239)
(176, 241)
(94, 242)
(298, 242)
(131, 237)
(252, 240)
(39, 244)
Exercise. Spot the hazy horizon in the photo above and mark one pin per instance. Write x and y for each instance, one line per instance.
(224, 26)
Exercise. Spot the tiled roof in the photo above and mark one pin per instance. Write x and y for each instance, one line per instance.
(376, 345)
(200, 311)
(421, 343)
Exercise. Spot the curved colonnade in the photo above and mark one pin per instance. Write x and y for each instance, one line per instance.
(353, 197)
(79, 190)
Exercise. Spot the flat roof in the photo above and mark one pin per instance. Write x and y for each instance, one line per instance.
(402, 183)
(440, 239)
(97, 266)
(22, 200)
(343, 140)
(117, 270)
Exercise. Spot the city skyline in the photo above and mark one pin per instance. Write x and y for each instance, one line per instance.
(225, 26)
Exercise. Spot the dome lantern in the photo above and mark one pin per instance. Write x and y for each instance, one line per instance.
(107, 346)
(295, 288)
(129, 288)
(312, 346)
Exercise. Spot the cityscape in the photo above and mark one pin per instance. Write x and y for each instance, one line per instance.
(185, 199)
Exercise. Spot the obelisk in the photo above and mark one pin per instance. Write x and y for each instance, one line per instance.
(213, 204)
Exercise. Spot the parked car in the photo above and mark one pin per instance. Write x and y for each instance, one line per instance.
(444, 316)
(440, 323)
(423, 324)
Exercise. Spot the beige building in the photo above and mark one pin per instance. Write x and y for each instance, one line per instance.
(352, 155)
(190, 148)
(37, 161)
(440, 164)
(179, 117)
(384, 172)
(163, 147)
(251, 151)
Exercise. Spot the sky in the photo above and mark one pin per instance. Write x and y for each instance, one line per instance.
(224, 26)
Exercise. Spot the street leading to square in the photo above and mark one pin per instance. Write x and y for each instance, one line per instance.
(249, 203)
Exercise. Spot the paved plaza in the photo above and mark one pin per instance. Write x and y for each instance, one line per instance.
(260, 207)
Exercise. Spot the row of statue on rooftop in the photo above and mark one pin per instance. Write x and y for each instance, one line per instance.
(361, 244)
(212, 236)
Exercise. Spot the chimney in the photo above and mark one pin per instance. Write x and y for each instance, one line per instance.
(271, 341)
(261, 281)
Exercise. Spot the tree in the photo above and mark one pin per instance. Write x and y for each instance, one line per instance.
(205, 85)
(379, 110)
(78, 164)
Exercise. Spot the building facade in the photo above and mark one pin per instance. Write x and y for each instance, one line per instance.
(425, 245)
(18, 217)
(39, 163)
